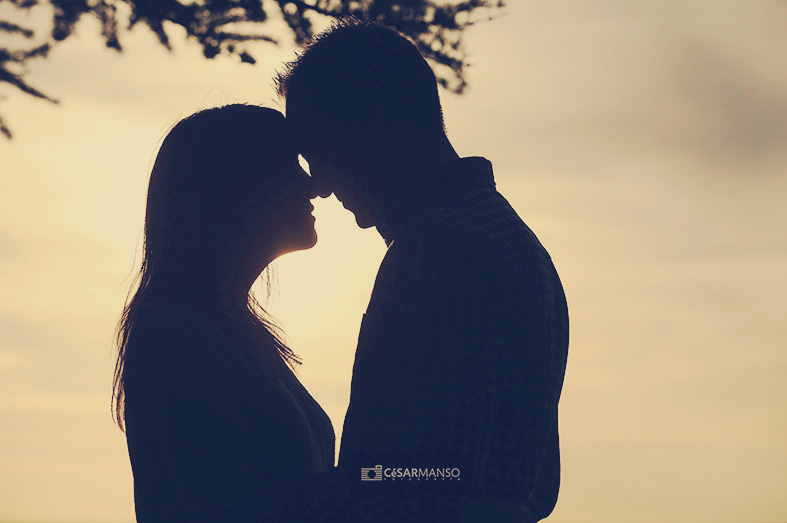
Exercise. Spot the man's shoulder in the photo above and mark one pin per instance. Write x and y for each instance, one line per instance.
(482, 227)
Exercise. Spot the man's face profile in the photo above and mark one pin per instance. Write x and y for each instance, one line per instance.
(331, 177)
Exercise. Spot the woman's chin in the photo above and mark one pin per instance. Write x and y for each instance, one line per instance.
(312, 240)
(298, 236)
(308, 239)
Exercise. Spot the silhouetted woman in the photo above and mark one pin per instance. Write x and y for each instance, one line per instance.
(218, 426)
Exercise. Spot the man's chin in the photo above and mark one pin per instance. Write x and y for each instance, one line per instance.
(363, 222)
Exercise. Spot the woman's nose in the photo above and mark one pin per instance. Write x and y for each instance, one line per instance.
(318, 187)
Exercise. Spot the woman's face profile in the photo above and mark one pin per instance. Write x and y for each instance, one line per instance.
(283, 216)
(229, 183)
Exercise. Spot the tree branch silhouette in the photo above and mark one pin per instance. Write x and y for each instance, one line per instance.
(226, 26)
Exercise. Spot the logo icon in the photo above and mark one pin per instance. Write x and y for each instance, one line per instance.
(372, 473)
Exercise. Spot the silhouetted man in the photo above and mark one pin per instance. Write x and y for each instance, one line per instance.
(462, 350)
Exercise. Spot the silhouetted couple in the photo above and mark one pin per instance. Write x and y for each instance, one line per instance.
(453, 412)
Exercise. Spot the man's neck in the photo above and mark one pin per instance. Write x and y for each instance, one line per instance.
(413, 190)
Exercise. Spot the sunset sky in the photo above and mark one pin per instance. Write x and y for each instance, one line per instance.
(645, 143)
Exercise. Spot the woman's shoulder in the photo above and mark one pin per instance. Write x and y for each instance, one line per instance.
(174, 321)
(171, 342)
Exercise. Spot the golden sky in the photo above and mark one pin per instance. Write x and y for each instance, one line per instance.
(644, 143)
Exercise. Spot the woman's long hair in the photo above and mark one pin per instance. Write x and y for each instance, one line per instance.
(199, 196)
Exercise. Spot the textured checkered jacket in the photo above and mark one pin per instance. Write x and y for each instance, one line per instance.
(460, 360)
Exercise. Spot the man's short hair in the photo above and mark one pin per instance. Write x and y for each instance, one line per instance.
(363, 77)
